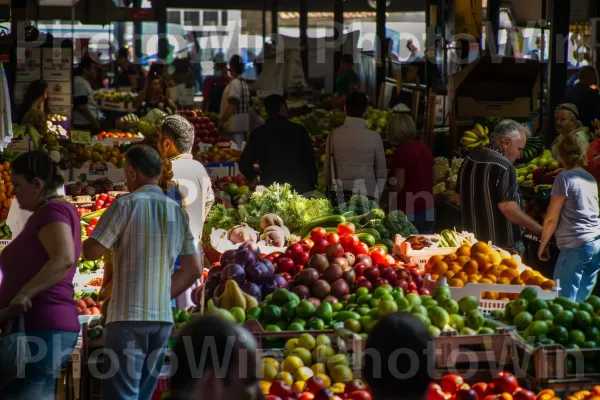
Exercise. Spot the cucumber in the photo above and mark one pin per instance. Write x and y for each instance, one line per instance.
(371, 231)
(366, 238)
(349, 214)
(386, 242)
(329, 221)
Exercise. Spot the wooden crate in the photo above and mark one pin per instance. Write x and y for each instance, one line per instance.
(256, 329)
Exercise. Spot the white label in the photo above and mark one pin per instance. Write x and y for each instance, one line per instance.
(21, 145)
(57, 64)
(29, 64)
(441, 110)
(91, 171)
(185, 95)
(59, 94)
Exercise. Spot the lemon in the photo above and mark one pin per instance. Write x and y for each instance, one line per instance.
(326, 380)
(270, 361)
(303, 374)
(298, 386)
(292, 364)
(264, 387)
(318, 368)
(303, 354)
(290, 346)
(286, 377)
(341, 374)
(307, 341)
(323, 340)
(269, 372)
(338, 388)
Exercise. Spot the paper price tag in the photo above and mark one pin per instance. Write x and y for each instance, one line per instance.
(21, 145)
(81, 137)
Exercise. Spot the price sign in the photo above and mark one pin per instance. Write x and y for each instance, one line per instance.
(3, 244)
(81, 137)
(22, 145)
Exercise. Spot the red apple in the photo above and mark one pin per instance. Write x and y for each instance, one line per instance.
(364, 283)
(372, 273)
(524, 394)
(390, 274)
(293, 250)
(480, 388)
(381, 282)
(319, 247)
(401, 283)
(360, 395)
(314, 385)
(302, 258)
(286, 276)
(354, 385)
(280, 389)
(424, 292)
(297, 269)
(412, 286)
(360, 269)
(285, 264)
(506, 382)
(451, 382)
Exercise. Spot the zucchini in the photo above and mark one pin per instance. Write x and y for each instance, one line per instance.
(349, 214)
(331, 220)
(386, 242)
(371, 231)
(366, 238)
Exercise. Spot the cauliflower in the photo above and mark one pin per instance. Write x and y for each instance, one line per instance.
(398, 224)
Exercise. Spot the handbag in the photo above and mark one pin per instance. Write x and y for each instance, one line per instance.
(14, 352)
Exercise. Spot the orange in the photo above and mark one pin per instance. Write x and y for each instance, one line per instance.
(7, 203)
(510, 274)
(481, 247)
(474, 278)
(492, 278)
(503, 281)
(517, 281)
(456, 283)
(504, 298)
(470, 267)
(6, 166)
(435, 277)
(595, 391)
(1, 168)
(433, 260)
(4, 213)
(462, 260)
(3, 197)
(535, 281)
(491, 295)
(464, 250)
(439, 268)
(454, 267)
(450, 257)
(506, 396)
(510, 263)
(2, 189)
(526, 275)
(494, 270)
(481, 260)
(549, 285)
(485, 280)
(462, 275)
(449, 275)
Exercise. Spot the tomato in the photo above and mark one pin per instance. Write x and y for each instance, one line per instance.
(346, 228)
(480, 388)
(378, 256)
(491, 389)
(318, 233)
(332, 237)
(361, 248)
(306, 396)
(390, 260)
(280, 389)
(355, 385)
(360, 395)
(349, 242)
(506, 382)
(307, 244)
(435, 393)
(451, 382)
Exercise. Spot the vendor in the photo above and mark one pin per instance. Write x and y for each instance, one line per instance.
(86, 113)
(35, 105)
(346, 80)
(155, 95)
(126, 72)
(214, 86)
(566, 120)
(572, 218)
(585, 96)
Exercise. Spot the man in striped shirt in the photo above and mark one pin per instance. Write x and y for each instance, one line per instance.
(146, 232)
(489, 193)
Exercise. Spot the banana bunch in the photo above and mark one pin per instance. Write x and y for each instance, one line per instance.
(533, 148)
(595, 132)
(477, 137)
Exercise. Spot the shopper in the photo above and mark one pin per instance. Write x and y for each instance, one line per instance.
(566, 120)
(392, 366)
(35, 106)
(127, 75)
(192, 187)
(585, 96)
(146, 231)
(283, 150)
(354, 155)
(214, 86)
(235, 104)
(36, 276)
(489, 193)
(412, 173)
(86, 112)
(415, 54)
(572, 218)
(347, 80)
(229, 372)
(155, 95)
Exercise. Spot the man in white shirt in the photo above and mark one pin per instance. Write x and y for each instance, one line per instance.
(86, 113)
(191, 179)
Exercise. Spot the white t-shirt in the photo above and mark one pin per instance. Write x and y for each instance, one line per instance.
(240, 120)
(81, 87)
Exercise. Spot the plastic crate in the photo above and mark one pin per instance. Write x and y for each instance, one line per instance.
(478, 289)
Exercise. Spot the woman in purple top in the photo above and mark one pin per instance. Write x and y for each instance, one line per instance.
(36, 275)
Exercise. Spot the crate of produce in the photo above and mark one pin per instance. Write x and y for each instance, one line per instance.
(479, 290)
(275, 339)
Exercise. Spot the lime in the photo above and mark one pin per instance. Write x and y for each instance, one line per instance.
(350, 306)
(364, 299)
(299, 321)
(380, 291)
(419, 310)
(565, 319)
(362, 311)
(307, 341)
(590, 344)
(294, 298)
(535, 305)
(238, 313)
(253, 313)
(339, 306)
(323, 339)
(426, 297)
(386, 297)
(404, 305)
(341, 374)
(374, 303)
(529, 293)
(523, 320)
(315, 324)
(288, 311)
(518, 306)
(325, 312)
(295, 326)
(272, 328)
(538, 329)
(451, 306)
(397, 294)
(475, 319)
(361, 291)
(497, 314)
(434, 331)
(587, 307)
(272, 313)
(543, 315)
(268, 298)
(457, 322)
(583, 319)
(387, 307)
(467, 304)
(413, 299)
(555, 309)
(282, 325)
(486, 331)
(441, 293)
(291, 364)
(430, 303)
(281, 297)
(365, 321)
(438, 317)
(352, 325)
(467, 332)
(303, 354)
(305, 309)
(322, 353)
(592, 333)
(594, 301)
(576, 337)
(424, 320)
(596, 321)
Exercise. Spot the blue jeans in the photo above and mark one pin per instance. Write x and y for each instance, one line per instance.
(138, 350)
(577, 270)
(51, 350)
(424, 221)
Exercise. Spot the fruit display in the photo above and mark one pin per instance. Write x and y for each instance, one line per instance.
(57, 130)
(117, 135)
(231, 191)
(129, 121)
(87, 303)
(540, 170)
(7, 195)
(115, 96)
(581, 395)
(533, 147)
(475, 138)
(218, 154)
(99, 186)
(75, 155)
(311, 369)
(21, 131)
(377, 120)
(204, 128)
(504, 386)
(480, 263)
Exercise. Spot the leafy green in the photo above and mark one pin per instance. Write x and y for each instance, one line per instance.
(220, 217)
(295, 210)
(358, 203)
(380, 227)
(398, 224)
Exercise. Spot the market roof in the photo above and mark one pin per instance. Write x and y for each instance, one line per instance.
(294, 5)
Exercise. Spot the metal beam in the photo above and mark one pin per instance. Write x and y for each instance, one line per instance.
(493, 15)
(274, 17)
(560, 11)
(338, 24)
(304, 35)
(380, 20)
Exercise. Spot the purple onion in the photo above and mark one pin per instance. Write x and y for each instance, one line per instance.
(235, 272)
(253, 290)
(253, 247)
(227, 257)
(244, 257)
